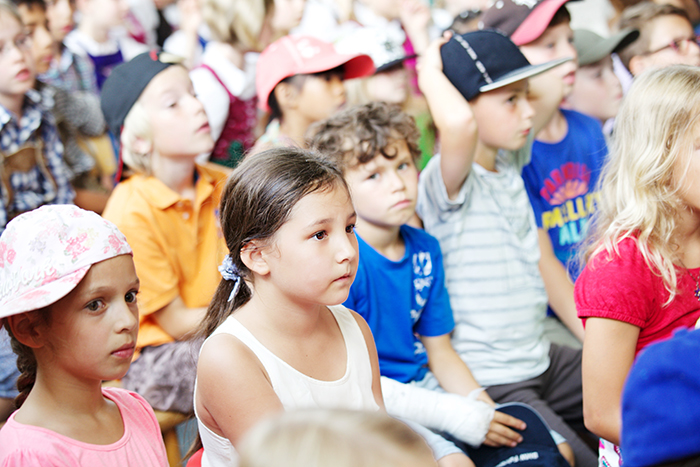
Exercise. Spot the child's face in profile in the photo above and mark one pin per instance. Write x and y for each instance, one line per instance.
(107, 13)
(597, 91)
(389, 86)
(554, 43)
(91, 332)
(671, 42)
(179, 125)
(60, 16)
(384, 191)
(34, 19)
(504, 116)
(16, 64)
(287, 15)
(313, 256)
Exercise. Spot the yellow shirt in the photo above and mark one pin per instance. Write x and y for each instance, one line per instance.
(177, 245)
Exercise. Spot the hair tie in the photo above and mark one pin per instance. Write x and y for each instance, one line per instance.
(230, 272)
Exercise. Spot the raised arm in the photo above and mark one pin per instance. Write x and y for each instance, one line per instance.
(452, 116)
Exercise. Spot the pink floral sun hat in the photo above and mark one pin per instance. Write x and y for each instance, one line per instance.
(46, 252)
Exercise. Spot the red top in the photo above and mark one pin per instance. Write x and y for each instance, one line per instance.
(238, 134)
(623, 287)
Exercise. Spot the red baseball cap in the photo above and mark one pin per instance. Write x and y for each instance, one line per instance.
(303, 55)
(521, 20)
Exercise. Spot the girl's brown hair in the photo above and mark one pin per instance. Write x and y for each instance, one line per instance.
(258, 198)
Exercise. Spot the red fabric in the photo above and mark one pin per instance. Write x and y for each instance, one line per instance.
(196, 459)
(624, 288)
(238, 134)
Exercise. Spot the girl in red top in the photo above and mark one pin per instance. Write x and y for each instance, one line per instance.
(642, 275)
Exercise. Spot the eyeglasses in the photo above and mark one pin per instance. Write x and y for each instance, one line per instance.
(680, 46)
(22, 42)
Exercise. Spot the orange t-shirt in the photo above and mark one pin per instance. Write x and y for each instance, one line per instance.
(177, 245)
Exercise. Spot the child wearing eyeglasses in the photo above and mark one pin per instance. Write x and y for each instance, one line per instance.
(666, 37)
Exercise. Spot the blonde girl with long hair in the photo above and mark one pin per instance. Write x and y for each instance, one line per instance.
(641, 278)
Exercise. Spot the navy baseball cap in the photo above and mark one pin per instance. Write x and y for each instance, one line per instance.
(537, 449)
(481, 61)
(127, 81)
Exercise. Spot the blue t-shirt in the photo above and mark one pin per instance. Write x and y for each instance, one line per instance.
(561, 181)
(401, 300)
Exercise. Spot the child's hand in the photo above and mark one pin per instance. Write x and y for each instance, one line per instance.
(500, 434)
(431, 58)
(415, 17)
(191, 16)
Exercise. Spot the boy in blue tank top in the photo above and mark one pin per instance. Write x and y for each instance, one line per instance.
(400, 284)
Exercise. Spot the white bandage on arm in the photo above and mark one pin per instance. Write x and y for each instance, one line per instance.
(465, 418)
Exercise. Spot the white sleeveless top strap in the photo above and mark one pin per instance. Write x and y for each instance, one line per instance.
(297, 390)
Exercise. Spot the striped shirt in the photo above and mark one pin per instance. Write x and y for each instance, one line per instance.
(489, 242)
(32, 189)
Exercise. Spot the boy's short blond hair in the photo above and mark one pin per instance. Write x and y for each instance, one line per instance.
(237, 22)
(641, 16)
(7, 7)
(337, 438)
(358, 134)
(136, 126)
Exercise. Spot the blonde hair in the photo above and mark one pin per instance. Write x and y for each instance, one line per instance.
(8, 7)
(333, 438)
(136, 126)
(639, 195)
(237, 22)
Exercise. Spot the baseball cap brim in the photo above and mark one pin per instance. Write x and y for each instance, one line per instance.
(536, 22)
(523, 73)
(592, 48)
(40, 297)
(393, 63)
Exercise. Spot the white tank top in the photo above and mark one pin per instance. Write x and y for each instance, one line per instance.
(296, 390)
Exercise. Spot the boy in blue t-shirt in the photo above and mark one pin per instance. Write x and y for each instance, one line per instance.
(400, 284)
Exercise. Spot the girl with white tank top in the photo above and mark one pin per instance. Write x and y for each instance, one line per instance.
(275, 337)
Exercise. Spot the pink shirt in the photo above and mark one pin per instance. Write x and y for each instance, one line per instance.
(141, 445)
(623, 287)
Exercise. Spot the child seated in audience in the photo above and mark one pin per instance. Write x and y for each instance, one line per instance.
(277, 337)
(167, 210)
(334, 438)
(32, 172)
(666, 37)
(77, 113)
(69, 71)
(101, 37)
(566, 156)
(399, 288)
(641, 280)
(300, 81)
(68, 300)
(225, 79)
(597, 91)
(473, 200)
(659, 404)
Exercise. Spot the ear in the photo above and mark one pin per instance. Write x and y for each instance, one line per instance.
(141, 146)
(637, 65)
(286, 95)
(27, 329)
(254, 255)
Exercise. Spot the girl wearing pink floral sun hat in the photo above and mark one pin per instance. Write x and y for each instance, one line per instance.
(68, 300)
